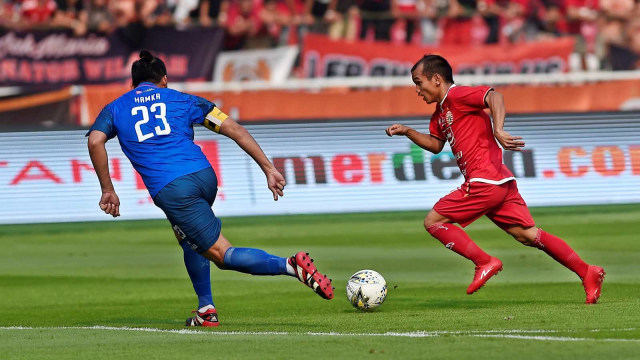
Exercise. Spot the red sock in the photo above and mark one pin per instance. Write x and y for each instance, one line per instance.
(561, 252)
(457, 240)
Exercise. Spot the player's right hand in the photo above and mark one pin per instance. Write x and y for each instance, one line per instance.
(110, 203)
(276, 183)
(397, 129)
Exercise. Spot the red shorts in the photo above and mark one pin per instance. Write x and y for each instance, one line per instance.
(501, 203)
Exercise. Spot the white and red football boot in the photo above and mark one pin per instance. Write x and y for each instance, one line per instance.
(307, 273)
(484, 273)
(205, 316)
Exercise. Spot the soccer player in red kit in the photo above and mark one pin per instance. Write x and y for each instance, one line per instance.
(490, 188)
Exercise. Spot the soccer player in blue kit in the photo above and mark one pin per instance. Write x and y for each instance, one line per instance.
(154, 126)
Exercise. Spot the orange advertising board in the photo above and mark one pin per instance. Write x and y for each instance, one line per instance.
(282, 105)
(325, 57)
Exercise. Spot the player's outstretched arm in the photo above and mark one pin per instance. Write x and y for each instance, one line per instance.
(425, 141)
(109, 201)
(237, 133)
(495, 102)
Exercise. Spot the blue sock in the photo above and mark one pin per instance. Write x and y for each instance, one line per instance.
(198, 268)
(254, 261)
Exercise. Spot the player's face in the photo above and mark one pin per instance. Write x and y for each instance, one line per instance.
(426, 88)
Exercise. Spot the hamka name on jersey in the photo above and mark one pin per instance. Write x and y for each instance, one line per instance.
(142, 99)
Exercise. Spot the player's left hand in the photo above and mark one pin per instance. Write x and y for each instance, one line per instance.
(397, 129)
(110, 203)
(509, 142)
(275, 182)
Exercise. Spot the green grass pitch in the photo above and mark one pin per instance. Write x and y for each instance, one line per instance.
(119, 290)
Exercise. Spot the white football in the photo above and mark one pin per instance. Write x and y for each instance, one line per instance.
(366, 290)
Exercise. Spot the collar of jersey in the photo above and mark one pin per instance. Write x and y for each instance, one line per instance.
(146, 84)
(447, 94)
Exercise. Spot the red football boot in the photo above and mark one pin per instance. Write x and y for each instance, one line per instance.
(307, 273)
(205, 316)
(592, 283)
(483, 274)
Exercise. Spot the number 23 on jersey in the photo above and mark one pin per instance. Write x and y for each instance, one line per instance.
(159, 110)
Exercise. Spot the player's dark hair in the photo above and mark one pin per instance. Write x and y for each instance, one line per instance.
(435, 64)
(147, 69)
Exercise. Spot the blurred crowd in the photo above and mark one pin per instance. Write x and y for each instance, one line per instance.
(599, 26)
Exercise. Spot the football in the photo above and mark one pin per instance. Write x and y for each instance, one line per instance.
(366, 290)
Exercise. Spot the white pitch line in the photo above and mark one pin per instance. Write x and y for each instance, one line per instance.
(518, 334)
(551, 338)
(124, 328)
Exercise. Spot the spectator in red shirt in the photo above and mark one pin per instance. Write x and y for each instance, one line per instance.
(274, 20)
(38, 12)
(457, 23)
(406, 13)
(581, 13)
(582, 16)
(242, 23)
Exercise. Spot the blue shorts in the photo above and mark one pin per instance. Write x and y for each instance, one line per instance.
(187, 203)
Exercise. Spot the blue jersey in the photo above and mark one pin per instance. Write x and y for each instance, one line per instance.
(155, 129)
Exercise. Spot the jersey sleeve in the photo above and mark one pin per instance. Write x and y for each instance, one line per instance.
(206, 113)
(434, 130)
(200, 107)
(104, 123)
(471, 98)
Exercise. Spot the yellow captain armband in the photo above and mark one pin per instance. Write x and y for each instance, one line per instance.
(214, 119)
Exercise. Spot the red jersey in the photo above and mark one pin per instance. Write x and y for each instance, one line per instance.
(38, 11)
(461, 120)
(576, 26)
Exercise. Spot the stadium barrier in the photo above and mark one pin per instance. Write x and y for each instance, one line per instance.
(337, 98)
(393, 96)
(330, 166)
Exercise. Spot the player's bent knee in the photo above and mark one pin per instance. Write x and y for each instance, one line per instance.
(428, 222)
(433, 218)
(526, 236)
(216, 252)
(215, 256)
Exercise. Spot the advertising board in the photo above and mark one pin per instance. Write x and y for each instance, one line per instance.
(333, 166)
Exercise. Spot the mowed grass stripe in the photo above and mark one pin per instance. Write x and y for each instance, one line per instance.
(129, 274)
